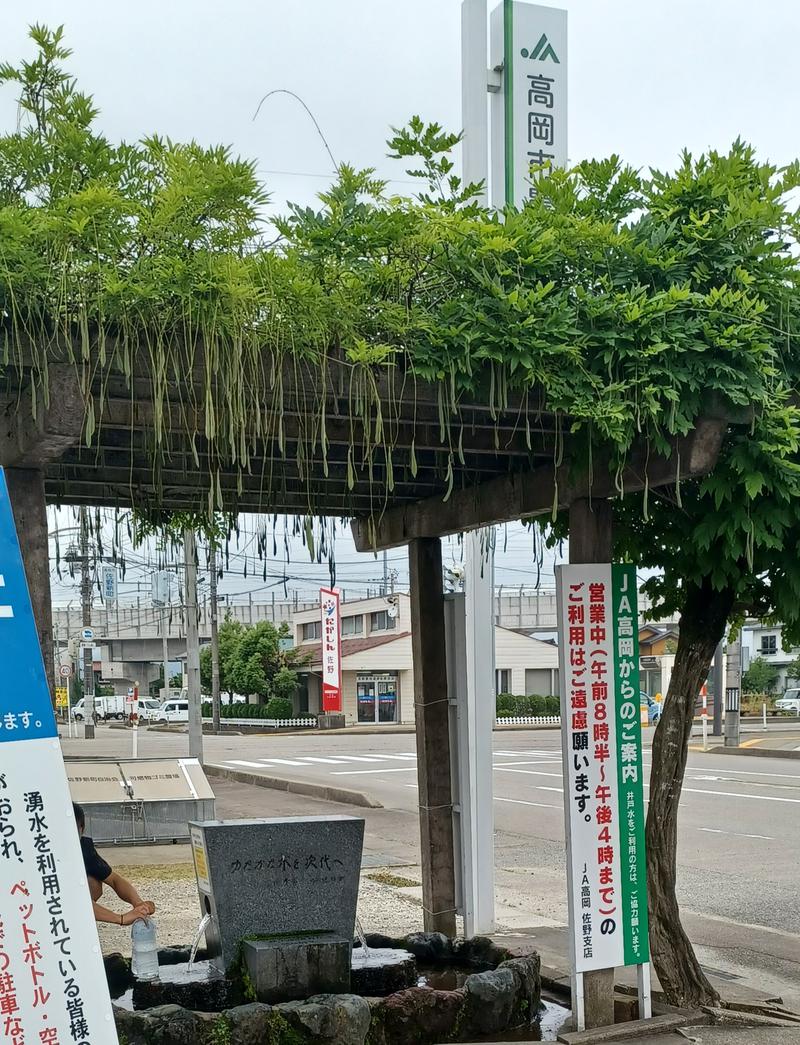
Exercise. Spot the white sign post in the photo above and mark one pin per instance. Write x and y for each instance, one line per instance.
(529, 111)
(331, 650)
(603, 785)
(52, 981)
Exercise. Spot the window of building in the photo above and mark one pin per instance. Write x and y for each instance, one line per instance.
(503, 680)
(312, 630)
(381, 621)
(353, 625)
(769, 643)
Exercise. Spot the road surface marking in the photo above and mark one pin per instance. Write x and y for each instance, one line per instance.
(519, 802)
(541, 787)
(537, 762)
(285, 761)
(735, 794)
(528, 772)
(250, 765)
(330, 761)
(401, 758)
(364, 758)
(368, 772)
(734, 834)
(747, 772)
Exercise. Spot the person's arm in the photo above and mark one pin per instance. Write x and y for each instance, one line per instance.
(103, 914)
(126, 892)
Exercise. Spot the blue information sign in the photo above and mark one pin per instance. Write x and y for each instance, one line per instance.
(26, 711)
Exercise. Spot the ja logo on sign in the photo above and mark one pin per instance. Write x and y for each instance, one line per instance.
(542, 51)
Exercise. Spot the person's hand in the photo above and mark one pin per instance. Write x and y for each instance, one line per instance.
(149, 905)
(136, 914)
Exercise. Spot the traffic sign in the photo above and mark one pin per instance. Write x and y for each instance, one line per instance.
(87, 634)
(65, 671)
(62, 696)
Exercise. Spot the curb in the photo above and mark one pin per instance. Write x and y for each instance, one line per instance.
(757, 752)
(296, 787)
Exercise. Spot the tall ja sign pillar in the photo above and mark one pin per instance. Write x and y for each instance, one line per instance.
(52, 981)
(603, 787)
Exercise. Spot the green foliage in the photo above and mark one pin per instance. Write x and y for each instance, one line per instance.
(229, 633)
(276, 708)
(760, 677)
(626, 302)
(511, 706)
(252, 663)
(793, 670)
(280, 707)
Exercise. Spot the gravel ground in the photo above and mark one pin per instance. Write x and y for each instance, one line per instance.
(172, 887)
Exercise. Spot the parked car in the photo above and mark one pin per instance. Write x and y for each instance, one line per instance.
(149, 710)
(173, 711)
(104, 707)
(789, 702)
(653, 708)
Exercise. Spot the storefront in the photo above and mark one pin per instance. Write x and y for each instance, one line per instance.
(377, 697)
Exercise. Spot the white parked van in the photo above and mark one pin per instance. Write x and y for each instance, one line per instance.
(173, 711)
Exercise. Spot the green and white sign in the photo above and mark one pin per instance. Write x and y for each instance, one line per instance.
(529, 112)
(603, 785)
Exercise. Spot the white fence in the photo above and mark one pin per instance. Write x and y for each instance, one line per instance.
(529, 720)
(267, 723)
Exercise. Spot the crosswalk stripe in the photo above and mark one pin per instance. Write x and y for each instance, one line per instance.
(286, 761)
(249, 765)
(329, 761)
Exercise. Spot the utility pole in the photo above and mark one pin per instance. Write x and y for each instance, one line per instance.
(86, 619)
(192, 647)
(385, 572)
(165, 650)
(719, 687)
(212, 568)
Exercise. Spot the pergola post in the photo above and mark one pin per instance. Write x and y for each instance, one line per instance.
(26, 491)
(590, 540)
(433, 736)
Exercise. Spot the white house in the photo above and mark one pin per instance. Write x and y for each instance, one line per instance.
(377, 661)
(766, 640)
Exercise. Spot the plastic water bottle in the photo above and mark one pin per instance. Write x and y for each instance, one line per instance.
(144, 949)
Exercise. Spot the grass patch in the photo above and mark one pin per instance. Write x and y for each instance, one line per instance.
(396, 880)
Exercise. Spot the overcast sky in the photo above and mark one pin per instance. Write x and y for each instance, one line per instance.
(646, 80)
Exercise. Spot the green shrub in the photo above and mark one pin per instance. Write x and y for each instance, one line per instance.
(506, 705)
(279, 707)
(553, 705)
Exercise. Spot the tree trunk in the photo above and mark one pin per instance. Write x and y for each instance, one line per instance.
(702, 626)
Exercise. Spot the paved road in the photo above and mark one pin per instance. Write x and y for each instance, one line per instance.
(739, 845)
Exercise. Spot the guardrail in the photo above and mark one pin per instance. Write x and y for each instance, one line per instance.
(529, 720)
(267, 723)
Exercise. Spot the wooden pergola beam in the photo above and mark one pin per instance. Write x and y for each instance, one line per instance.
(526, 494)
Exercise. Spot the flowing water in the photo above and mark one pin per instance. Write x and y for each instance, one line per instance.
(362, 938)
(201, 928)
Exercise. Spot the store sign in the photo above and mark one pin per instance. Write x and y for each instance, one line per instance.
(52, 981)
(109, 584)
(603, 786)
(529, 112)
(331, 650)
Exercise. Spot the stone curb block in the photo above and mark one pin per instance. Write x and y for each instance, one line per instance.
(342, 795)
(633, 1029)
(759, 752)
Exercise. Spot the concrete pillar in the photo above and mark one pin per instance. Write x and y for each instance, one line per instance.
(433, 736)
(26, 490)
(590, 540)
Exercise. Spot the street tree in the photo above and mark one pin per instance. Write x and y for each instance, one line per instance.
(760, 677)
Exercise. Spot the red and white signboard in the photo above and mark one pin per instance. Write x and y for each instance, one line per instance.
(331, 650)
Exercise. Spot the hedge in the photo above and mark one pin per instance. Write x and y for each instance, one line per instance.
(277, 707)
(511, 706)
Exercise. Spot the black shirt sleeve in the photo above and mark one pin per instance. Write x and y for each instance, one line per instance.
(94, 865)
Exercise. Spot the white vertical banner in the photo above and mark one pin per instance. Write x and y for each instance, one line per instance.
(602, 747)
(53, 988)
(529, 112)
(331, 649)
(109, 584)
